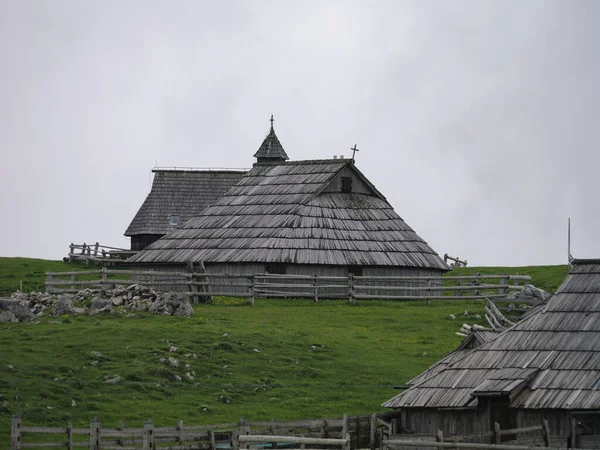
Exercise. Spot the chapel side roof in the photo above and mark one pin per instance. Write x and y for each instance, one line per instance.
(281, 213)
(550, 360)
(180, 192)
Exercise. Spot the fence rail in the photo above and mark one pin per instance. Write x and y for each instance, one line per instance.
(340, 432)
(97, 253)
(353, 288)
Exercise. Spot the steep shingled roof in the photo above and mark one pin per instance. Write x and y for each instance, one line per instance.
(271, 149)
(549, 360)
(289, 213)
(184, 193)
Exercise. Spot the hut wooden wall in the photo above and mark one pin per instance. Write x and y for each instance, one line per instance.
(464, 422)
(141, 241)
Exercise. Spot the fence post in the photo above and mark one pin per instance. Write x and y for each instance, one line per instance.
(251, 277)
(357, 432)
(104, 278)
(347, 445)
(316, 285)
(345, 425)
(70, 436)
(122, 430)
(497, 436)
(503, 282)
(273, 431)
(372, 434)
(573, 436)
(15, 432)
(180, 431)
(148, 443)
(440, 438)
(211, 437)
(95, 434)
(546, 431)
(73, 281)
(351, 287)
(48, 280)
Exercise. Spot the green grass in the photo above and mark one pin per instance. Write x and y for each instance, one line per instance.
(282, 359)
(31, 272)
(547, 278)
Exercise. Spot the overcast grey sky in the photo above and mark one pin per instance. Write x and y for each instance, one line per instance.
(478, 120)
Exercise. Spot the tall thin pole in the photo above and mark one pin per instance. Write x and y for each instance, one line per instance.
(569, 257)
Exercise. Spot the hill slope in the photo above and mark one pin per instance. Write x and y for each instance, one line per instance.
(279, 359)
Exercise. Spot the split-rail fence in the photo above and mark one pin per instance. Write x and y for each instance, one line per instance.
(369, 431)
(98, 253)
(351, 287)
(343, 433)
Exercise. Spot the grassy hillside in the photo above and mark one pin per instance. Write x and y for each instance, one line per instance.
(278, 359)
(547, 278)
(30, 272)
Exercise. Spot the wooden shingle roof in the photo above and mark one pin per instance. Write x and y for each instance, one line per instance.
(549, 360)
(184, 193)
(288, 213)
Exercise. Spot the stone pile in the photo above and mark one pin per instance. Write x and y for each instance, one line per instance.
(530, 294)
(25, 306)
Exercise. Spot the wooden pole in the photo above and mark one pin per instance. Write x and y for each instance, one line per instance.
(70, 436)
(440, 438)
(345, 425)
(573, 435)
(316, 284)
(211, 437)
(372, 431)
(252, 283)
(497, 435)
(15, 432)
(503, 282)
(122, 430)
(546, 432)
(180, 431)
(96, 249)
(148, 442)
(95, 434)
(351, 288)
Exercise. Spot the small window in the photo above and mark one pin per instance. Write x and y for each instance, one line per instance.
(275, 269)
(357, 271)
(174, 221)
(346, 184)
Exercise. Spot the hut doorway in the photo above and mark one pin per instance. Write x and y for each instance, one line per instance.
(501, 412)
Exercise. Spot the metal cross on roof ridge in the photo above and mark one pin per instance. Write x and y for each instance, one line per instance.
(354, 150)
(272, 120)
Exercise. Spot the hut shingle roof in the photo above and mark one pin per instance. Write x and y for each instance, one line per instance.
(550, 359)
(184, 193)
(284, 213)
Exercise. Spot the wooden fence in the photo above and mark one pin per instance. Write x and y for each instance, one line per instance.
(97, 253)
(348, 431)
(293, 286)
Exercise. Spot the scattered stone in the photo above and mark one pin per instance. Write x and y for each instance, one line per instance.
(452, 316)
(95, 363)
(96, 354)
(173, 349)
(73, 403)
(112, 380)
(63, 305)
(189, 376)
(117, 301)
(173, 362)
(256, 350)
(177, 377)
(8, 317)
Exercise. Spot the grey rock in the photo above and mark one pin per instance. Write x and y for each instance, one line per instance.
(7, 317)
(173, 303)
(99, 303)
(96, 354)
(117, 301)
(63, 305)
(112, 380)
(173, 362)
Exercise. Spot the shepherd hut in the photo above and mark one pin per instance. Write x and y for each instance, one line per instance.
(547, 366)
(316, 217)
(177, 196)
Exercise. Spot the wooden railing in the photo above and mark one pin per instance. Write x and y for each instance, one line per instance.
(340, 432)
(293, 286)
(509, 439)
(97, 253)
